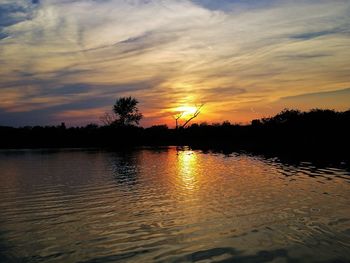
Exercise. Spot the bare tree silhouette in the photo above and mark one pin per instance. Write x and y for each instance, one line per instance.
(195, 114)
(176, 118)
(107, 118)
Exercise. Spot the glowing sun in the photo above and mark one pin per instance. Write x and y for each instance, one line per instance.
(186, 110)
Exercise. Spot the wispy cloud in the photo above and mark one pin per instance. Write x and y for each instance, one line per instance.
(228, 54)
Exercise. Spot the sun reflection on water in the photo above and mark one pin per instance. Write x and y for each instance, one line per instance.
(170, 204)
(187, 168)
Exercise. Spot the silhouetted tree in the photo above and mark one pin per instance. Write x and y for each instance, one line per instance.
(126, 111)
(176, 118)
(285, 116)
(198, 110)
(290, 132)
(107, 118)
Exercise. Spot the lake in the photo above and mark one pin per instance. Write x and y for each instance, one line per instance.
(170, 205)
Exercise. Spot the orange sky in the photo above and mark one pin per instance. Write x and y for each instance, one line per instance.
(69, 60)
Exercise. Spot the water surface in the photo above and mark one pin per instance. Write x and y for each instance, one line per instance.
(170, 205)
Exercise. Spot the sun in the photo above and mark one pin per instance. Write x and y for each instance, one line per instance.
(186, 110)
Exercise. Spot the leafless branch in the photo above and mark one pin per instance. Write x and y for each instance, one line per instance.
(107, 118)
(198, 111)
(176, 118)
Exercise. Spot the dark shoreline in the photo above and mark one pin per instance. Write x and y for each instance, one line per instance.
(317, 134)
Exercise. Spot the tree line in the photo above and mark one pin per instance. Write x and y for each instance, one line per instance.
(290, 132)
(126, 113)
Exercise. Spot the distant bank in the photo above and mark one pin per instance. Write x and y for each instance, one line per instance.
(316, 132)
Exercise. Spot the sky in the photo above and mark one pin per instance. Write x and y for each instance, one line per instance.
(68, 60)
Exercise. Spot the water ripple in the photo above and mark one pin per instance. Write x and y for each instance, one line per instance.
(170, 206)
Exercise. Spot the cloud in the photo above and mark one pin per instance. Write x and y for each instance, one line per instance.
(57, 53)
(311, 35)
(12, 12)
(327, 99)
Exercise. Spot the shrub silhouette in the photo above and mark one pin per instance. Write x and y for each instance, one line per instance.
(289, 132)
(126, 111)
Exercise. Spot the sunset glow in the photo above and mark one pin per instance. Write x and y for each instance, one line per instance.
(187, 165)
(68, 61)
(186, 110)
